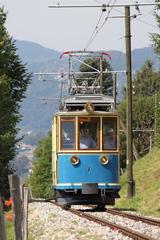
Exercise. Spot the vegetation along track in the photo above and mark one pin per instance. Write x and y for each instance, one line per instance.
(126, 231)
(134, 217)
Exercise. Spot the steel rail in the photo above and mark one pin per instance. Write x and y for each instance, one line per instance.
(134, 217)
(126, 231)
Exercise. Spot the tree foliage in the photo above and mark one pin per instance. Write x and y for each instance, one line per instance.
(146, 83)
(14, 79)
(41, 178)
(143, 118)
(156, 36)
(107, 77)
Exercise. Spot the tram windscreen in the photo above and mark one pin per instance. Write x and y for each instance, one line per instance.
(88, 132)
(109, 133)
(68, 133)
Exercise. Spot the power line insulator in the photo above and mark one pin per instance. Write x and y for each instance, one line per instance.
(104, 8)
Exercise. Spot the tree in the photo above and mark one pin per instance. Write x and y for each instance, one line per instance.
(14, 80)
(156, 36)
(107, 77)
(157, 120)
(143, 118)
(41, 178)
(146, 84)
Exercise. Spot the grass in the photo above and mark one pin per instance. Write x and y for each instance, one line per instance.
(9, 230)
(147, 179)
(82, 231)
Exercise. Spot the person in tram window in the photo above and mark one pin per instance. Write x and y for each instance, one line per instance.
(109, 140)
(67, 139)
(86, 141)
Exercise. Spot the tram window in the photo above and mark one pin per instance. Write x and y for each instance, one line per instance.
(109, 133)
(67, 133)
(88, 133)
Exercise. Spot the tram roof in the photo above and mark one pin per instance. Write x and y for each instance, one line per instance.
(81, 99)
(85, 113)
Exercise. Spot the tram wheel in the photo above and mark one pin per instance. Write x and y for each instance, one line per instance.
(100, 207)
(66, 206)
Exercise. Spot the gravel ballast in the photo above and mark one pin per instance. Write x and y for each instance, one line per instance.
(138, 226)
(47, 222)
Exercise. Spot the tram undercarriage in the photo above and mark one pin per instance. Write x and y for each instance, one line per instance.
(77, 197)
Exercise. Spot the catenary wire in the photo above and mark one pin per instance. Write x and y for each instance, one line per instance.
(98, 1)
(98, 30)
(141, 16)
(95, 29)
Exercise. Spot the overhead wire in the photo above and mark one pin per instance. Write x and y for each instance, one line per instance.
(96, 29)
(98, 1)
(147, 23)
(141, 16)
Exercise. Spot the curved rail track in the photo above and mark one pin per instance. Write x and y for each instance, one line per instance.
(134, 217)
(126, 231)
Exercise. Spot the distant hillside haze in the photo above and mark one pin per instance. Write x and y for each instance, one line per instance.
(34, 52)
(37, 115)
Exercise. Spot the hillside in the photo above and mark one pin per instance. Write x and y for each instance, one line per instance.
(37, 114)
(147, 178)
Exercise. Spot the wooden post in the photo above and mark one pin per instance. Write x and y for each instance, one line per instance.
(150, 143)
(25, 213)
(115, 90)
(131, 182)
(14, 184)
(2, 225)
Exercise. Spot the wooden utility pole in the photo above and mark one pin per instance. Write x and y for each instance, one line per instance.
(2, 225)
(131, 183)
(25, 213)
(115, 90)
(14, 184)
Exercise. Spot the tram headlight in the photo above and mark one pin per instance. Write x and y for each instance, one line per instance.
(104, 160)
(74, 160)
(89, 107)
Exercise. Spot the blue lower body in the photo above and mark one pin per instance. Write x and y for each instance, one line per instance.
(89, 170)
(89, 181)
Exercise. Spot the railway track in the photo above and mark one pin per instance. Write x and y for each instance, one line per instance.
(143, 219)
(134, 217)
(126, 231)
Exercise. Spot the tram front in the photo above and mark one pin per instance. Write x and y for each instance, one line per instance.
(85, 157)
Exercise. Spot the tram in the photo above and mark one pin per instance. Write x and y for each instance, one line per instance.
(85, 144)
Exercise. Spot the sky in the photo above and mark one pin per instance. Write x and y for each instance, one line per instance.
(71, 29)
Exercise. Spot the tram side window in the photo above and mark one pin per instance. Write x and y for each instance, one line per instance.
(109, 133)
(67, 133)
(88, 133)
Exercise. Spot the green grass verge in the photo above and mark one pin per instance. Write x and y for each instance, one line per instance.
(9, 230)
(147, 178)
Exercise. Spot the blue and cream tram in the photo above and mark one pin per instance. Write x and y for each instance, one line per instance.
(85, 144)
(85, 157)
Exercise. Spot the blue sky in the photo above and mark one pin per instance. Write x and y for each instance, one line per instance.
(70, 29)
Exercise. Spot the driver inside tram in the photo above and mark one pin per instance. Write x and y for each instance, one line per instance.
(86, 140)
